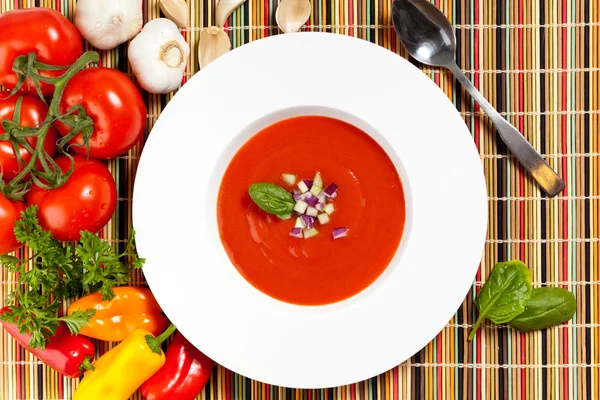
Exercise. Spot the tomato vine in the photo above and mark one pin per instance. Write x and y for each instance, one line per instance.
(50, 176)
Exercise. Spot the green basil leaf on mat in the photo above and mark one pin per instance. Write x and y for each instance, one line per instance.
(504, 295)
(272, 199)
(547, 306)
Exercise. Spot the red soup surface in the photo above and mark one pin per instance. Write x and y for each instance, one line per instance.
(370, 203)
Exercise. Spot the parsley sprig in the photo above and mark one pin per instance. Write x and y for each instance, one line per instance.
(57, 271)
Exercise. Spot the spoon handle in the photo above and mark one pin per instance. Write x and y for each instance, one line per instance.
(533, 162)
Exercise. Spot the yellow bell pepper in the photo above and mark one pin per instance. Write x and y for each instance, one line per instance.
(121, 371)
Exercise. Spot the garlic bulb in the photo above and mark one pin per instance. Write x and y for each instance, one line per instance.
(108, 23)
(158, 56)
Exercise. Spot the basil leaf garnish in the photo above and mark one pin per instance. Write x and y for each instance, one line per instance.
(272, 199)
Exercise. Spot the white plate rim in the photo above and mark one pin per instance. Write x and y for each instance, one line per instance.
(445, 182)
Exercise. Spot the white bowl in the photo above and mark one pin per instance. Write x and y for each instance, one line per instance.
(174, 210)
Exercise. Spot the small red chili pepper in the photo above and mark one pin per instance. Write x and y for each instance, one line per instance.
(68, 354)
(184, 374)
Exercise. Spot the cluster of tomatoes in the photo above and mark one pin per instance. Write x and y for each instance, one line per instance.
(86, 200)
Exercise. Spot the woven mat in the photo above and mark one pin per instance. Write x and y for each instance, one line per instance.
(538, 62)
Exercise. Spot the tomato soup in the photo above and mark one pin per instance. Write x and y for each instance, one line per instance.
(370, 204)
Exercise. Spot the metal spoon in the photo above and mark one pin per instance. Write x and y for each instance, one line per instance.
(292, 14)
(428, 36)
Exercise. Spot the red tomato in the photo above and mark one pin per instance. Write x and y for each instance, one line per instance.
(114, 104)
(85, 203)
(42, 31)
(33, 112)
(9, 212)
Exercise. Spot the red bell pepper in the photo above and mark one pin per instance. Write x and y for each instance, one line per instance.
(68, 354)
(183, 376)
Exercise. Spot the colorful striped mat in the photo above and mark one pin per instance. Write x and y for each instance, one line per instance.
(538, 62)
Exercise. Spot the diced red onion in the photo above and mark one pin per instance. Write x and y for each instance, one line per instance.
(308, 221)
(296, 233)
(312, 203)
(340, 232)
(302, 186)
(321, 197)
(311, 199)
(331, 190)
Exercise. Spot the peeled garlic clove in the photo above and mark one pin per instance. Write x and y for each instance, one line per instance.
(224, 9)
(214, 42)
(292, 14)
(176, 11)
(108, 23)
(158, 56)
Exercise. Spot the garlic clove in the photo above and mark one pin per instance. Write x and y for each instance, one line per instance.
(224, 9)
(214, 42)
(108, 23)
(158, 56)
(176, 10)
(292, 14)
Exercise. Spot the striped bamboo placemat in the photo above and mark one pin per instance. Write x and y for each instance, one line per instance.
(538, 62)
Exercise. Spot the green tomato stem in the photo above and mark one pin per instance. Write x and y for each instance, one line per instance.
(31, 164)
(60, 84)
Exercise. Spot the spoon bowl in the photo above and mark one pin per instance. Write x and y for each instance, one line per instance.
(424, 31)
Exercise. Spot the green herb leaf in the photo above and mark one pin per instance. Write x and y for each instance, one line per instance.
(505, 294)
(32, 313)
(131, 253)
(102, 266)
(77, 320)
(547, 306)
(11, 263)
(272, 199)
(58, 271)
